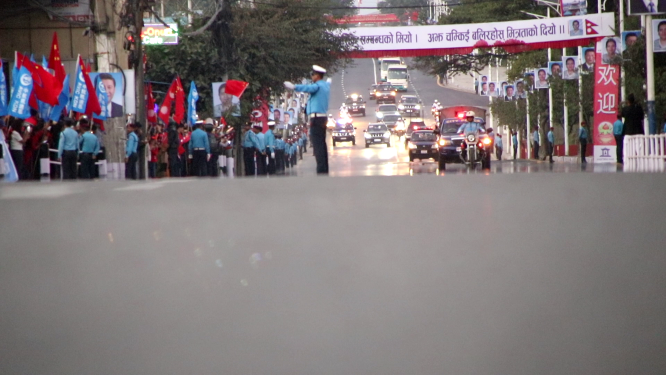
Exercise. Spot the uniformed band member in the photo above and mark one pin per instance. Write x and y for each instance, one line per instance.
(261, 155)
(214, 143)
(199, 151)
(316, 110)
(270, 147)
(89, 145)
(279, 154)
(131, 148)
(250, 146)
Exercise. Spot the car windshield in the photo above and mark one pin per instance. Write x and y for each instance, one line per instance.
(387, 63)
(377, 128)
(344, 127)
(352, 100)
(450, 128)
(388, 108)
(424, 136)
(397, 73)
(411, 100)
(418, 123)
(391, 118)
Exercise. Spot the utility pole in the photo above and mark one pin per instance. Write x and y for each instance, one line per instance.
(138, 82)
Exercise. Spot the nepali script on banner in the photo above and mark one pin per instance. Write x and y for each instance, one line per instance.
(606, 81)
(526, 34)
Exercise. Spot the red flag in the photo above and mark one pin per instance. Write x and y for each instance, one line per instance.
(46, 87)
(92, 106)
(235, 88)
(179, 114)
(150, 104)
(165, 108)
(55, 63)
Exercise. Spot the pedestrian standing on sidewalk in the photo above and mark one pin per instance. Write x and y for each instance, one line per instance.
(551, 143)
(514, 141)
(535, 143)
(633, 117)
(498, 146)
(582, 138)
(17, 139)
(618, 133)
(68, 150)
(317, 109)
(131, 156)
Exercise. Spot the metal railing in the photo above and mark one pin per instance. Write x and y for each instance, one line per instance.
(645, 153)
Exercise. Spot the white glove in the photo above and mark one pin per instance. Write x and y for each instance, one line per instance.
(329, 80)
(208, 157)
(272, 155)
(289, 85)
(190, 156)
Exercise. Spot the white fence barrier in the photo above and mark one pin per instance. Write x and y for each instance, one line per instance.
(644, 152)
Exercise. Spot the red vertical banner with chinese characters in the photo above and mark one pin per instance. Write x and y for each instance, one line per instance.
(606, 102)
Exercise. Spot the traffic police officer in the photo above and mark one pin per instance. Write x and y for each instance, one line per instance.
(470, 126)
(261, 156)
(68, 148)
(199, 151)
(269, 137)
(316, 109)
(89, 144)
(131, 148)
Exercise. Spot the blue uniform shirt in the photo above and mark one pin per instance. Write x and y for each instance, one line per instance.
(199, 139)
(247, 141)
(498, 142)
(261, 140)
(514, 140)
(69, 141)
(270, 140)
(664, 129)
(469, 127)
(535, 136)
(582, 133)
(132, 144)
(279, 144)
(319, 94)
(551, 139)
(89, 143)
(618, 127)
(300, 142)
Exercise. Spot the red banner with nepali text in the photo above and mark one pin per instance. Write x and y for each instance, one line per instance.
(606, 103)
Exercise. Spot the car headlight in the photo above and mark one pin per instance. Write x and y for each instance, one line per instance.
(435, 146)
(380, 115)
(393, 93)
(387, 134)
(487, 141)
(366, 135)
(362, 105)
(417, 107)
(444, 142)
(411, 145)
(401, 106)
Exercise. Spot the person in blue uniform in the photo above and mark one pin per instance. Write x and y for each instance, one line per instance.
(514, 141)
(498, 146)
(300, 147)
(279, 154)
(535, 143)
(89, 145)
(261, 156)
(269, 137)
(68, 149)
(305, 139)
(582, 139)
(470, 126)
(551, 144)
(317, 109)
(199, 150)
(131, 155)
(618, 133)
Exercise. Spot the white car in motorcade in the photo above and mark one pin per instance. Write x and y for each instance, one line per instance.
(386, 109)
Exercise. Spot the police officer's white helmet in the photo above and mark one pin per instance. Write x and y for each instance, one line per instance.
(471, 114)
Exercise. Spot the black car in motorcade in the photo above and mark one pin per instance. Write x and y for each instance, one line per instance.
(371, 91)
(395, 124)
(355, 104)
(377, 134)
(344, 133)
(451, 139)
(385, 93)
(410, 106)
(423, 145)
(413, 125)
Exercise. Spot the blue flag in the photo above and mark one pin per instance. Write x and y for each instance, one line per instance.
(103, 99)
(18, 105)
(192, 99)
(63, 99)
(3, 92)
(80, 95)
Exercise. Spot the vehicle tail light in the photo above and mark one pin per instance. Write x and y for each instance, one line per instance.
(480, 144)
(463, 145)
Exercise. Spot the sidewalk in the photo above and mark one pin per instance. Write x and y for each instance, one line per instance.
(465, 82)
